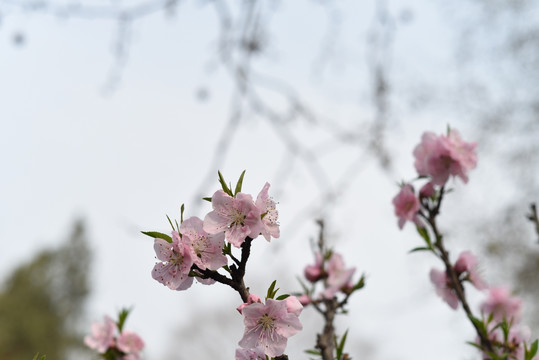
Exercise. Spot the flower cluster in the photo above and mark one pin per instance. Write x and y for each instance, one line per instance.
(124, 345)
(503, 314)
(268, 326)
(198, 245)
(466, 269)
(332, 272)
(437, 158)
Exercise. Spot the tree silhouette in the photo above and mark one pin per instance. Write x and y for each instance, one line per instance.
(42, 301)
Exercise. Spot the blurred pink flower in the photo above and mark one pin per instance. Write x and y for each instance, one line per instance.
(304, 300)
(237, 216)
(206, 250)
(443, 287)
(268, 327)
(427, 190)
(442, 156)
(314, 272)
(176, 262)
(467, 262)
(130, 343)
(501, 305)
(338, 276)
(407, 206)
(266, 205)
(102, 335)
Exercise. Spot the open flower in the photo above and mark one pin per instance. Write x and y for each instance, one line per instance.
(339, 276)
(442, 156)
(407, 206)
(206, 250)
(444, 288)
(237, 216)
(130, 343)
(102, 335)
(268, 326)
(176, 262)
(266, 205)
(502, 305)
(467, 263)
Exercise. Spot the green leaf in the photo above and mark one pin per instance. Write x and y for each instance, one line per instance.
(425, 235)
(182, 209)
(530, 353)
(170, 222)
(360, 284)
(420, 248)
(43, 357)
(239, 184)
(122, 317)
(340, 347)
(222, 181)
(270, 293)
(303, 286)
(313, 352)
(480, 325)
(283, 296)
(207, 199)
(157, 235)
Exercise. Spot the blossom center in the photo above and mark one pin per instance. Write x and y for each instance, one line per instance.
(266, 322)
(237, 217)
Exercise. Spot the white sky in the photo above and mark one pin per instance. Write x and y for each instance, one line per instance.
(124, 160)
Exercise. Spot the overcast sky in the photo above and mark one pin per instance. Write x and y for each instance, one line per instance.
(122, 158)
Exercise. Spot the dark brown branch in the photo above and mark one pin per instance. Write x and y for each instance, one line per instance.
(534, 218)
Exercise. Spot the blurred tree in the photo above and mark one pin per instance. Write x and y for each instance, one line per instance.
(42, 301)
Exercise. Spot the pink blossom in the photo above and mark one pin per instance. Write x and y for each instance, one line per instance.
(304, 300)
(442, 156)
(427, 190)
(293, 305)
(102, 335)
(129, 342)
(206, 250)
(467, 262)
(176, 262)
(250, 354)
(266, 205)
(252, 298)
(407, 206)
(501, 305)
(444, 288)
(268, 327)
(314, 272)
(237, 216)
(338, 276)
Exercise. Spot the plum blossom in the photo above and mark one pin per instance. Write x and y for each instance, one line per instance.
(338, 276)
(102, 335)
(407, 206)
(250, 354)
(268, 326)
(176, 262)
(444, 288)
(130, 343)
(237, 216)
(501, 305)
(313, 273)
(266, 205)
(467, 263)
(442, 156)
(206, 250)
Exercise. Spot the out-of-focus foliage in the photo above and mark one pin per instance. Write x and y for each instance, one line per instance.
(42, 301)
